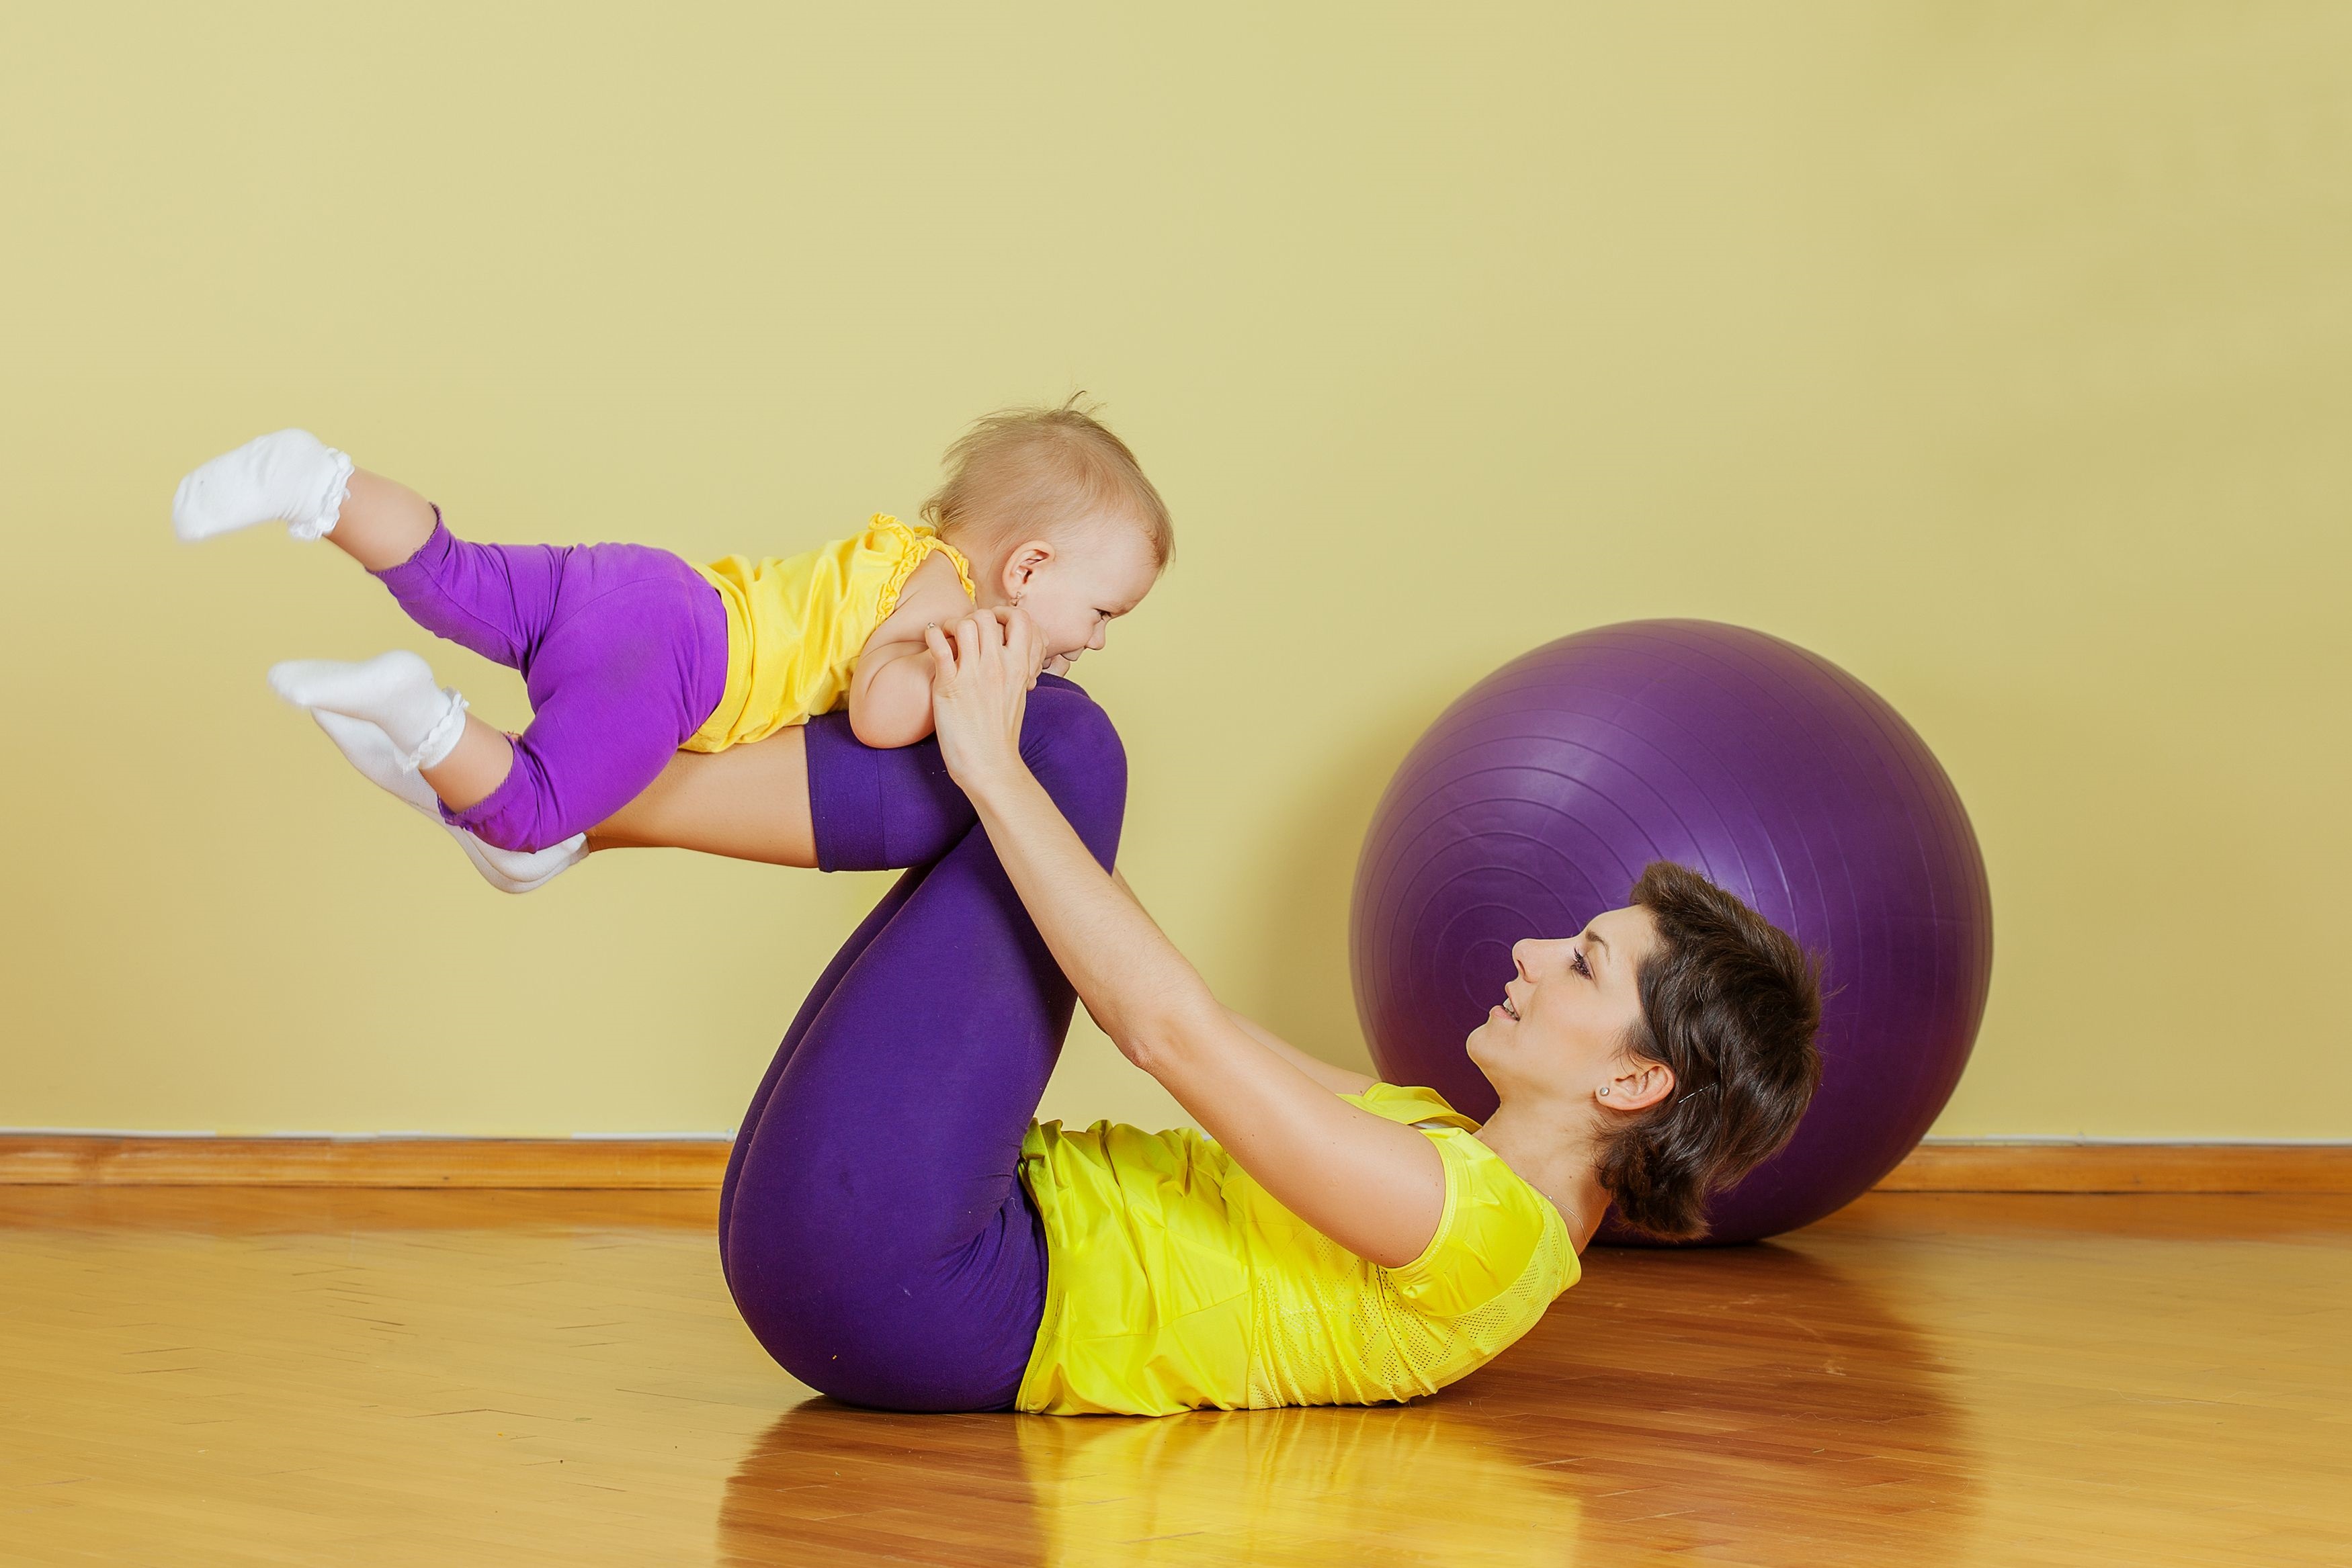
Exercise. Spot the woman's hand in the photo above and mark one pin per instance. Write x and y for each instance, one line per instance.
(981, 669)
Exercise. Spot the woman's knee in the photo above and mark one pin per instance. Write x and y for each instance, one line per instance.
(1071, 747)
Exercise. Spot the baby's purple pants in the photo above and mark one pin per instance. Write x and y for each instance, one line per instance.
(873, 1226)
(623, 649)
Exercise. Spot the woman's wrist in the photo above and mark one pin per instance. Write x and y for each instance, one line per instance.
(981, 669)
(994, 781)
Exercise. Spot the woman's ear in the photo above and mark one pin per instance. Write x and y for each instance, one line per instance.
(1024, 564)
(1637, 1086)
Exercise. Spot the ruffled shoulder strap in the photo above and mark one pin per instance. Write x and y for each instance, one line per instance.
(909, 546)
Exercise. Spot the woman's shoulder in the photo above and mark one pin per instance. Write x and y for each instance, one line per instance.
(1412, 1104)
(1497, 1237)
(1500, 1239)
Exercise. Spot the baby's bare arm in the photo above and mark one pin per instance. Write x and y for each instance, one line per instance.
(890, 694)
(891, 698)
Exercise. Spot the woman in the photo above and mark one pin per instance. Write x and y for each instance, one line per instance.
(898, 1232)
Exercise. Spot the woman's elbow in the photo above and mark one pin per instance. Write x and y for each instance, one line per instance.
(1144, 1047)
(1161, 1035)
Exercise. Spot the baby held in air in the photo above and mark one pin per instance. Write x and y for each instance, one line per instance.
(630, 653)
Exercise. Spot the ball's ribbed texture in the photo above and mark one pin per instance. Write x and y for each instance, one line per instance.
(1534, 803)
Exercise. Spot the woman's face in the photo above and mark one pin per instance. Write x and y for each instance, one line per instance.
(1562, 1023)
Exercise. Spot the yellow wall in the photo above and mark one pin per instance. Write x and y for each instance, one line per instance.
(2000, 354)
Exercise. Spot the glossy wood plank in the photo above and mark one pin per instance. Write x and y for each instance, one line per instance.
(1957, 1166)
(69, 1160)
(594, 1164)
(224, 1376)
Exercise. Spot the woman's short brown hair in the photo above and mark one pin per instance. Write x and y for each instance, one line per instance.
(1729, 1004)
(1024, 470)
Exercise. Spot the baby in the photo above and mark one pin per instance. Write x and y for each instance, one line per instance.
(630, 653)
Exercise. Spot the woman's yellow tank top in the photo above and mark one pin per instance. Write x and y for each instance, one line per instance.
(1175, 1282)
(795, 626)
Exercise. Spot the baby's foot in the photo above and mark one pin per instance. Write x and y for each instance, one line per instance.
(290, 475)
(512, 871)
(369, 751)
(392, 691)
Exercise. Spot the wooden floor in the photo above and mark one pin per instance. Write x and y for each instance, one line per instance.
(192, 1376)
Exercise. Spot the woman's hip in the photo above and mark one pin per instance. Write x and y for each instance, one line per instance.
(871, 1311)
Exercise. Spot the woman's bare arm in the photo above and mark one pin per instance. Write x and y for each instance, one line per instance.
(1373, 1185)
(1337, 1080)
(749, 802)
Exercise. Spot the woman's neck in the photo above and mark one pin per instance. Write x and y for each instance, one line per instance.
(1554, 1149)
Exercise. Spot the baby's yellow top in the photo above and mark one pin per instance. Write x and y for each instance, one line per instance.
(795, 626)
(1174, 1281)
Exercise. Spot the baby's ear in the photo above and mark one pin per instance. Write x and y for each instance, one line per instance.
(1023, 563)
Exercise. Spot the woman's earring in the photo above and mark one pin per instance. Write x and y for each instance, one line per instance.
(1604, 1091)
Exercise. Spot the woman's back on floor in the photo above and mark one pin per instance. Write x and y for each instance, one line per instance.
(1178, 1282)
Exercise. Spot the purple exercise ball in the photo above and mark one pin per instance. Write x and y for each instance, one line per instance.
(1534, 803)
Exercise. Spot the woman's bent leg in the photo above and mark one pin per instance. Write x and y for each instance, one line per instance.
(878, 1240)
(867, 809)
(868, 929)
(878, 810)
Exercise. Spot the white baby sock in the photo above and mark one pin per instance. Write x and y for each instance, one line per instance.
(392, 691)
(512, 871)
(369, 751)
(291, 474)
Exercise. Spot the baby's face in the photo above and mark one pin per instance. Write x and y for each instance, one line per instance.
(1096, 575)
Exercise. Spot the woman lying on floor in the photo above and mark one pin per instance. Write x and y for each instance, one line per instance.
(900, 1231)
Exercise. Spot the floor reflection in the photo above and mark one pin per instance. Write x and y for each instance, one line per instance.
(1754, 1404)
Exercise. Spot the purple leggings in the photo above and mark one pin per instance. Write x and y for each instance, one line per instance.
(872, 1226)
(623, 649)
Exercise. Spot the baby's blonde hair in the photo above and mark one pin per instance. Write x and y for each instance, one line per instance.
(1024, 470)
